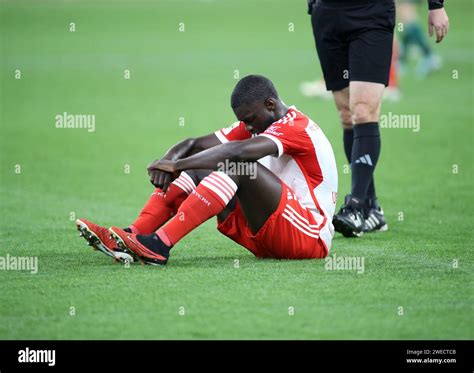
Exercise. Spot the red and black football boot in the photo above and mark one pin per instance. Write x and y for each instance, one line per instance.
(149, 249)
(99, 238)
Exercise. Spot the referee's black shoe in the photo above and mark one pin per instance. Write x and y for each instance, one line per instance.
(350, 219)
(374, 219)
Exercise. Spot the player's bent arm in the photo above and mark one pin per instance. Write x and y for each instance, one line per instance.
(161, 179)
(204, 142)
(191, 146)
(234, 151)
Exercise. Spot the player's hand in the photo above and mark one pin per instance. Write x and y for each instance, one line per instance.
(159, 177)
(164, 165)
(438, 22)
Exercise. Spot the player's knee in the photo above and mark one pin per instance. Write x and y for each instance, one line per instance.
(363, 112)
(197, 175)
(240, 172)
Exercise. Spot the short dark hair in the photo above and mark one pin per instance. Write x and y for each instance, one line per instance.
(252, 88)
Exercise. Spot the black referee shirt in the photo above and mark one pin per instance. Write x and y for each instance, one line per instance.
(432, 4)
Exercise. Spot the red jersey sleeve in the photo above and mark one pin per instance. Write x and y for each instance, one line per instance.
(290, 139)
(236, 131)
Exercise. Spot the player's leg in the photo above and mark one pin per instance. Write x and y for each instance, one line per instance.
(197, 176)
(258, 196)
(271, 222)
(235, 227)
(268, 220)
(159, 208)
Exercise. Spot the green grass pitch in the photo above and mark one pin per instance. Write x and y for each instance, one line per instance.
(418, 277)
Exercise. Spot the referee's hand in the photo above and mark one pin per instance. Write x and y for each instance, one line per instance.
(438, 22)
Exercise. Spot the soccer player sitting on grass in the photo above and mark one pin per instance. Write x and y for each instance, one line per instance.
(284, 210)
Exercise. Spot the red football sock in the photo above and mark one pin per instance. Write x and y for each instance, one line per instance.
(209, 198)
(161, 207)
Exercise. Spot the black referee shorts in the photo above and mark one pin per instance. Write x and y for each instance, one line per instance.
(354, 41)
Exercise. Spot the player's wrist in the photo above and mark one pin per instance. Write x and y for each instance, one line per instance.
(435, 4)
(178, 165)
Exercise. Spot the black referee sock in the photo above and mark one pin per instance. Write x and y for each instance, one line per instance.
(364, 156)
(371, 190)
(348, 140)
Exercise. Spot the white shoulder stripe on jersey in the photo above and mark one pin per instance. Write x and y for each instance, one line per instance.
(276, 140)
(221, 137)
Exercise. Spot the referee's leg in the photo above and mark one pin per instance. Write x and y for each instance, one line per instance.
(342, 100)
(355, 54)
(365, 100)
(370, 56)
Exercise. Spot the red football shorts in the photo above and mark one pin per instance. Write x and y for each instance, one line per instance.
(291, 232)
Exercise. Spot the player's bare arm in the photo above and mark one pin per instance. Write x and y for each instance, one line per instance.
(161, 179)
(257, 116)
(235, 151)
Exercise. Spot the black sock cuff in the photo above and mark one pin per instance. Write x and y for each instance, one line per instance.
(369, 129)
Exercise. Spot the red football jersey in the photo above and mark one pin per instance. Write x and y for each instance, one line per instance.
(305, 162)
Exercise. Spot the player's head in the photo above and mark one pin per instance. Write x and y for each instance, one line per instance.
(255, 102)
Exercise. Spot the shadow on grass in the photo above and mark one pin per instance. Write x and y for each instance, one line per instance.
(242, 261)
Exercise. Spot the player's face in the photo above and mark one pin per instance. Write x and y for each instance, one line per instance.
(257, 116)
